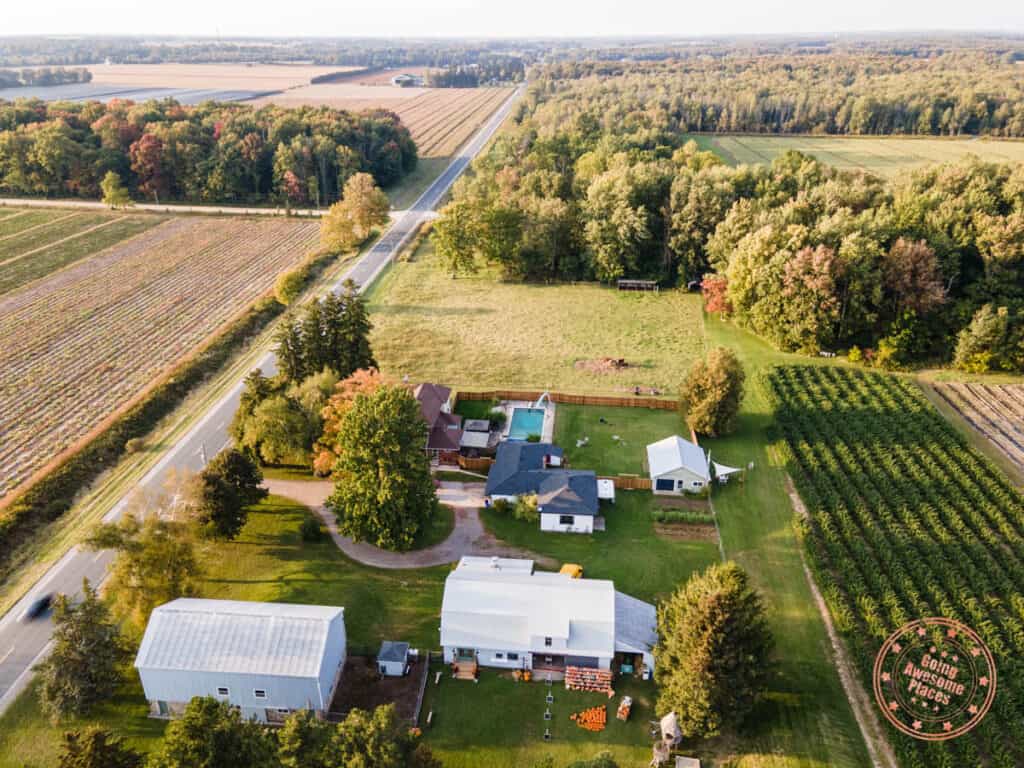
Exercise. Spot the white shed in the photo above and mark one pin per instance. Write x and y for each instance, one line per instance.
(393, 659)
(267, 659)
(677, 466)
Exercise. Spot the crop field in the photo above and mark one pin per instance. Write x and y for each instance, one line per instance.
(995, 411)
(440, 119)
(382, 76)
(36, 243)
(906, 521)
(481, 332)
(86, 339)
(883, 156)
(243, 77)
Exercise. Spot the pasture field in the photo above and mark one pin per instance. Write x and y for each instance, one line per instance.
(905, 521)
(87, 339)
(997, 412)
(479, 332)
(440, 119)
(885, 156)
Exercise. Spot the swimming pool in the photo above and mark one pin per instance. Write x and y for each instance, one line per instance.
(526, 422)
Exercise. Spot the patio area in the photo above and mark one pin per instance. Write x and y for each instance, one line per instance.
(523, 418)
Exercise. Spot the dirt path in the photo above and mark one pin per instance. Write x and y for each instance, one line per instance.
(468, 537)
(863, 706)
(62, 240)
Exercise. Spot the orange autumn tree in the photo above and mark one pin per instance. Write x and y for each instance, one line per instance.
(365, 381)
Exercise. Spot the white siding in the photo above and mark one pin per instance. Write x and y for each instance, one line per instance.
(684, 480)
(580, 523)
(489, 657)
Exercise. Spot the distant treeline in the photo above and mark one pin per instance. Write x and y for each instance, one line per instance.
(211, 152)
(15, 78)
(598, 180)
(950, 93)
(488, 70)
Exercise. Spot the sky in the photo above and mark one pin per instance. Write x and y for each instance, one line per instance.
(483, 18)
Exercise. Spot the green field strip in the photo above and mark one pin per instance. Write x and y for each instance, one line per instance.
(22, 220)
(18, 273)
(16, 246)
(748, 146)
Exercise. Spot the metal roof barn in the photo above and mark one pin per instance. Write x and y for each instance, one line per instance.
(266, 658)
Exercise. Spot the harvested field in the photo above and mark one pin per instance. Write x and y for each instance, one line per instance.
(884, 156)
(383, 76)
(87, 339)
(440, 119)
(245, 77)
(997, 412)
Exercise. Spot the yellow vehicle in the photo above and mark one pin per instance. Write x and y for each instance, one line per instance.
(572, 570)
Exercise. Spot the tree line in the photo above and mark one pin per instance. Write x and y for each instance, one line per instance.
(492, 68)
(808, 256)
(211, 152)
(17, 78)
(948, 93)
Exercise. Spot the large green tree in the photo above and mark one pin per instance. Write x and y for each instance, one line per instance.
(383, 490)
(351, 220)
(714, 651)
(712, 392)
(213, 734)
(226, 487)
(83, 666)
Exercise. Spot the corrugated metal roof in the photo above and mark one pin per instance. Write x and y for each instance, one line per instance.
(674, 453)
(236, 636)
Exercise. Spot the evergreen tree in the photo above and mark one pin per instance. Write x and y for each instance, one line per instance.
(714, 650)
(223, 491)
(83, 666)
(213, 734)
(383, 491)
(95, 747)
(354, 332)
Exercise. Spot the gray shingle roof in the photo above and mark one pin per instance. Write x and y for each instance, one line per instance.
(568, 492)
(518, 468)
(392, 651)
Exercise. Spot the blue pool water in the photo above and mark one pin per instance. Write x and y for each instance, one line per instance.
(526, 422)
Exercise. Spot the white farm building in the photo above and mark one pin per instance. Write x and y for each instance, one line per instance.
(677, 466)
(501, 613)
(267, 659)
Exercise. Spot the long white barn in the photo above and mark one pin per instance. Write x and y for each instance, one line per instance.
(268, 659)
(501, 613)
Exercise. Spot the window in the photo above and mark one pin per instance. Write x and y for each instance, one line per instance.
(664, 484)
(547, 642)
(284, 711)
(499, 656)
(259, 693)
(223, 692)
(513, 657)
(566, 520)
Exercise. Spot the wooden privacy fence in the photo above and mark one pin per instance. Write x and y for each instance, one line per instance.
(475, 465)
(626, 401)
(630, 482)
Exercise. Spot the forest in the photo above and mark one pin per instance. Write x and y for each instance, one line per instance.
(211, 152)
(10, 78)
(598, 181)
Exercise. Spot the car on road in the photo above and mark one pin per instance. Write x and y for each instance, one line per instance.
(37, 607)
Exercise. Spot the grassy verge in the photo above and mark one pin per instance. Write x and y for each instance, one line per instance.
(269, 561)
(459, 477)
(437, 530)
(481, 332)
(410, 187)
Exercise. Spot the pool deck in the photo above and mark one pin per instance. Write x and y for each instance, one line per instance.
(547, 431)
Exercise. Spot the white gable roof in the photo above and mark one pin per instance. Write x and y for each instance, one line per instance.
(674, 453)
(504, 607)
(235, 636)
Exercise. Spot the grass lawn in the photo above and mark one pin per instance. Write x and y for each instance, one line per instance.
(481, 332)
(439, 528)
(410, 187)
(499, 723)
(885, 156)
(635, 428)
(459, 477)
(628, 552)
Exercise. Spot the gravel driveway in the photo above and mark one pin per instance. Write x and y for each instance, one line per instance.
(468, 537)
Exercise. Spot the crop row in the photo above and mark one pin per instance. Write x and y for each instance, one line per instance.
(995, 411)
(906, 521)
(89, 338)
(440, 123)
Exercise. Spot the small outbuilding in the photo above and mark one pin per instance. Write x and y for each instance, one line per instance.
(677, 466)
(393, 659)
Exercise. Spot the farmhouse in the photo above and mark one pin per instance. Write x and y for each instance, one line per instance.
(566, 498)
(501, 613)
(677, 466)
(444, 428)
(267, 659)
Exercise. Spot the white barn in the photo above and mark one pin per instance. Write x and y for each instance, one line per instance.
(501, 613)
(267, 659)
(677, 466)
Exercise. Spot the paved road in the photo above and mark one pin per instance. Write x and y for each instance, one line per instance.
(23, 643)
